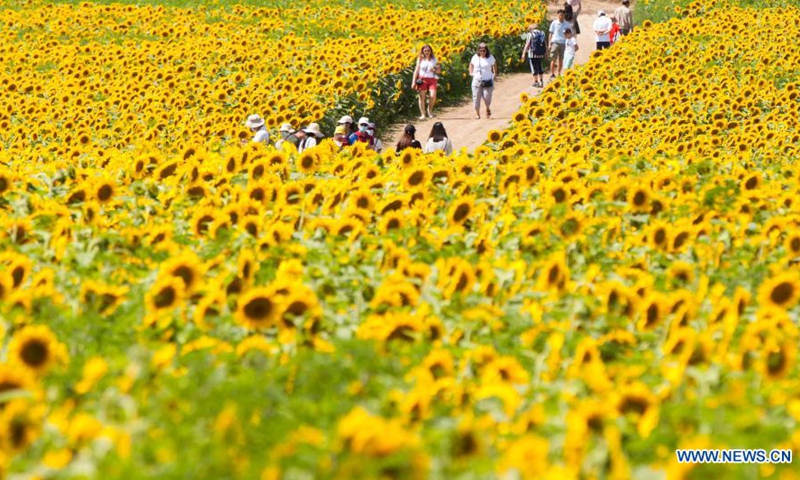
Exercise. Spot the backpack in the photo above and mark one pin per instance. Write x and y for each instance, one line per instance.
(537, 46)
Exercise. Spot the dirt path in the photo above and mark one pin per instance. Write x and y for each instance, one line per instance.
(467, 132)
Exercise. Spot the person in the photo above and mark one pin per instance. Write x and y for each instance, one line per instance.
(308, 137)
(425, 79)
(570, 17)
(340, 136)
(256, 125)
(408, 140)
(613, 35)
(287, 135)
(602, 28)
(576, 10)
(624, 17)
(378, 144)
(437, 140)
(362, 135)
(483, 68)
(535, 49)
(347, 122)
(557, 42)
(570, 47)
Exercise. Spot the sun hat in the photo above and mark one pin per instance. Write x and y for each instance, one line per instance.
(286, 127)
(346, 119)
(313, 128)
(340, 130)
(371, 125)
(363, 120)
(410, 129)
(601, 13)
(255, 121)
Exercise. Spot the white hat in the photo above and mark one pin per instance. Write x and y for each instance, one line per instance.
(346, 119)
(601, 13)
(255, 121)
(363, 120)
(313, 128)
(286, 127)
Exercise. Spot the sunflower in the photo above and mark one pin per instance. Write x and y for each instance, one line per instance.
(36, 348)
(416, 177)
(307, 162)
(166, 293)
(781, 291)
(104, 191)
(259, 308)
(779, 358)
(188, 267)
(461, 210)
(20, 425)
(391, 221)
(639, 199)
(202, 220)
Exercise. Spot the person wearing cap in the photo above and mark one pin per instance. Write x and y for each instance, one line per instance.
(260, 133)
(378, 147)
(308, 137)
(557, 43)
(287, 135)
(602, 29)
(340, 136)
(408, 140)
(362, 134)
(347, 122)
(624, 17)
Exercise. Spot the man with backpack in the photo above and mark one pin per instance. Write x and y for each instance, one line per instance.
(535, 49)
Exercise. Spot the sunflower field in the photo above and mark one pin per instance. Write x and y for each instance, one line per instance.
(613, 277)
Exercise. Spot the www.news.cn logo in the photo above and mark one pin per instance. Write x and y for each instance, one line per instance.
(735, 455)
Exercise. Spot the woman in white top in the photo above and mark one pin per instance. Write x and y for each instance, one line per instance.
(437, 140)
(483, 68)
(425, 79)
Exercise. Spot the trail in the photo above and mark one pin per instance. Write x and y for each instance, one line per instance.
(464, 130)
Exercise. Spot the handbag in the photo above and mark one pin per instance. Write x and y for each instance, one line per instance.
(487, 83)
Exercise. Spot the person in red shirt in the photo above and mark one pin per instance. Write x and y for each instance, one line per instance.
(614, 33)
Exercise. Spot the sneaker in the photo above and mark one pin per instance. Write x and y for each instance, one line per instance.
(430, 115)
(422, 117)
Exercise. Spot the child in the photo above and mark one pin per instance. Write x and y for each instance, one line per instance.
(615, 31)
(570, 48)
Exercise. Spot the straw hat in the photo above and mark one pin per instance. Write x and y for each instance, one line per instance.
(254, 121)
(313, 128)
(286, 127)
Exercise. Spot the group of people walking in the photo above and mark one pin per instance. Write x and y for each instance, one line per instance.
(559, 42)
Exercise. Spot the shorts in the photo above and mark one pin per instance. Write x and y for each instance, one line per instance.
(557, 51)
(568, 61)
(536, 66)
(427, 84)
(603, 45)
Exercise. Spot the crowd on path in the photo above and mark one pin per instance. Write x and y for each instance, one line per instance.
(559, 42)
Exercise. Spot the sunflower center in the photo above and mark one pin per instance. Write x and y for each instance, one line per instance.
(639, 198)
(782, 293)
(416, 178)
(258, 309)
(34, 353)
(186, 275)
(165, 297)
(461, 212)
(104, 193)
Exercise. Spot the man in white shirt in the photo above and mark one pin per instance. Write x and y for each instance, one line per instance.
(624, 17)
(556, 43)
(602, 29)
(260, 133)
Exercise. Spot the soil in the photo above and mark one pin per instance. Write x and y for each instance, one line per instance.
(464, 130)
